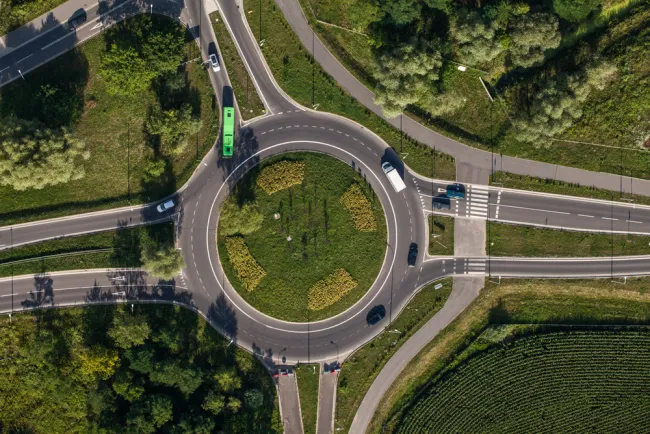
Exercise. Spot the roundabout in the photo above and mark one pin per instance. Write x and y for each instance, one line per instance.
(278, 248)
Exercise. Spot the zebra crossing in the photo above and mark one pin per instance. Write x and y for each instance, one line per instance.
(477, 202)
(468, 266)
(474, 266)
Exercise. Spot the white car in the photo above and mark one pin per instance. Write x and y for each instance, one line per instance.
(215, 63)
(165, 206)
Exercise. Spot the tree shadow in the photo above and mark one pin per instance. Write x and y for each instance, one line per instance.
(126, 247)
(391, 157)
(42, 294)
(223, 317)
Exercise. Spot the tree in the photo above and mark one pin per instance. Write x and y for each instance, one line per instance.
(125, 72)
(163, 49)
(443, 103)
(401, 11)
(239, 220)
(129, 330)
(150, 413)
(253, 398)
(170, 373)
(244, 361)
(123, 384)
(163, 261)
(153, 170)
(558, 104)
(173, 127)
(214, 403)
(99, 362)
(234, 404)
(574, 10)
(531, 36)
(404, 76)
(362, 13)
(477, 40)
(228, 380)
(500, 13)
(32, 156)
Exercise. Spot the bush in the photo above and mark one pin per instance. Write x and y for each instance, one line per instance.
(239, 220)
(280, 176)
(248, 270)
(574, 10)
(330, 290)
(360, 209)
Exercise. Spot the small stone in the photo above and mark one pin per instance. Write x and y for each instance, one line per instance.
(289, 238)
(276, 216)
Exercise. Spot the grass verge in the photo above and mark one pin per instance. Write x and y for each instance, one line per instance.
(530, 183)
(16, 14)
(121, 248)
(523, 302)
(362, 367)
(250, 104)
(510, 240)
(323, 238)
(293, 68)
(308, 381)
(113, 130)
(441, 235)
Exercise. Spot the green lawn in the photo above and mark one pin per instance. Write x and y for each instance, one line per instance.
(441, 235)
(360, 369)
(250, 104)
(517, 302)
(510, 240)
(75, 253)
(522, 182)
(308, 380)
(323, 239)
(16, 14)
(292, 67)
(112, 128)
(550, 379)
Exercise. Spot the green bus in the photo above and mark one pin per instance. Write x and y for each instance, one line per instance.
(228, 131)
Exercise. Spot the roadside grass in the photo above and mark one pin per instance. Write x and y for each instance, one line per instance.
(250, 104)
(122, 249)
(112, 128)
(323, 238)
(293, 68)
(16, 14)
(362, 367)
(530, 183)
(613, 117)
(308, 377)
(441, 235)
(516, 302)
(511, 240)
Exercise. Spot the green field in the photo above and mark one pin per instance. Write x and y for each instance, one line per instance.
(292, 68)
(557, 381)
(308, 380)
(323, 238)
(441, 235)
(362, 367)
(120, 248)
(250, 104)
(150, 368)
(510, 240)
(112, 128)
(516, 302)
(530, 183)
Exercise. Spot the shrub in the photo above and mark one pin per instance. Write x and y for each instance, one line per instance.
(280, 176)
(574, 10)
(240, 220)
(330, 290)
(360, 209)
(248, 270)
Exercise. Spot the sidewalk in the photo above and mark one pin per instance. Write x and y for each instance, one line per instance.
(49, 21)
(326, 402)
(289, 404)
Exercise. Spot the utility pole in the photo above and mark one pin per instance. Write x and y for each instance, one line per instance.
(260, 20)
(11, 235)
(313, 69)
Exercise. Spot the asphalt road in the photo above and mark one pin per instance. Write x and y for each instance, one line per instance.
(288, 127)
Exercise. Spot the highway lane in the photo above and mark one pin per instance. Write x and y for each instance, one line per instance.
(538, 209)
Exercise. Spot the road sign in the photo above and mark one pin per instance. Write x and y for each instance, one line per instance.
(438, 286)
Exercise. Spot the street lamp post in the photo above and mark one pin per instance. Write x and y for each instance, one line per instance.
(337, 350)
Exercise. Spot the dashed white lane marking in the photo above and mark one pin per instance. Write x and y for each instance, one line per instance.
(633, 221)
(608, 218)
(585, 215)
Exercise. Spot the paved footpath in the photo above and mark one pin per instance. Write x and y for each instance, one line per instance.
(471, 158)
(326, 403)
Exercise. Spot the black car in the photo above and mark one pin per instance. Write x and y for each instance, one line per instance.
(413, 254)
(441, 202)
(77, 19)
(376, 314)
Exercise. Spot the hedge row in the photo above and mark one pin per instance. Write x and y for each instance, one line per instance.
(246, 267)
(329, 290)
(360, 209)
(280, 176)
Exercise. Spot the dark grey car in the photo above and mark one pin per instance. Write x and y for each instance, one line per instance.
(441, 202)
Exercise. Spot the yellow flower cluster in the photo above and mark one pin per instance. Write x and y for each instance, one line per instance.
(281, 175)
(330, 290)
(248, 270)
(360, 209)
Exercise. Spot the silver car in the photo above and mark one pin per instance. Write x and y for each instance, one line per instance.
(165, 206)
(214, 62)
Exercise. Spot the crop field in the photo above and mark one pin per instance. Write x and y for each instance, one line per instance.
(569, 380)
